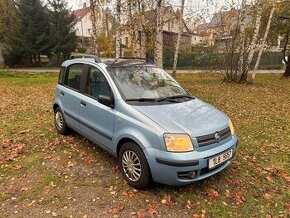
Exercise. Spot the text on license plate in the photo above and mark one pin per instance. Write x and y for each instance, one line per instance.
(217, 160)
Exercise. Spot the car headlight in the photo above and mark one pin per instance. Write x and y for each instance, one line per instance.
(178, 142)
(231, 127)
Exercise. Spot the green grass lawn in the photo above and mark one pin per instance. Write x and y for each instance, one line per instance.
(45, 174)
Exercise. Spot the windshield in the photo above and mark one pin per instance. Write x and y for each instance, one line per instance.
(141, 82)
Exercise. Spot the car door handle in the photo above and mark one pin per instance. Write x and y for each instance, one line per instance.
(83, 103)
(61, 93)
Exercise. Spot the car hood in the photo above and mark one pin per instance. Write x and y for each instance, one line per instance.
(194, 117)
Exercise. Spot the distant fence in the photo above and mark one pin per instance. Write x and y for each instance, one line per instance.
(269, 60)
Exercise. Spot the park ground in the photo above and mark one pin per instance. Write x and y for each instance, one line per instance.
(43, 174)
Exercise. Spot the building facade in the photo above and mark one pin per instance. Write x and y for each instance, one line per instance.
(84, 24)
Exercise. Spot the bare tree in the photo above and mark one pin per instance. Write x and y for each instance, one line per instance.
(158, 48)
(142, 36)
(240, 67)
(94, 13)
(118, 31)
(253, 45)
(180, 31)
(262, 45)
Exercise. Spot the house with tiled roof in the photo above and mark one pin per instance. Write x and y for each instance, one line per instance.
(219, 27)
(84, 25)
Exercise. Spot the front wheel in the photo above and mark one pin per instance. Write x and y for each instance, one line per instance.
(59, 122)
(134, 166)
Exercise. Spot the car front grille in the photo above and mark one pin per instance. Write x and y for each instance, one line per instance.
(211, 139)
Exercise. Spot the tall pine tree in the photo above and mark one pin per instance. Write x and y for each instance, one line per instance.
(33, 37)
(62, 33)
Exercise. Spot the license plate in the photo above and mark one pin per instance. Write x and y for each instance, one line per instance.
(217, 160)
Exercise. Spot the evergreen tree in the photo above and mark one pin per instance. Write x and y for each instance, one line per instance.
(62, 33)
(32, 39)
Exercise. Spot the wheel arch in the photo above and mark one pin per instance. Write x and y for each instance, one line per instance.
(124, 140)
(55, 105)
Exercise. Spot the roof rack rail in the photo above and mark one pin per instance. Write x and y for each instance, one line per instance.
(96, 58)
(134, 58)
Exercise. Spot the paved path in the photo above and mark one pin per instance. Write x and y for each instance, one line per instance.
(32, 70)
(53, 70)
(219, 71)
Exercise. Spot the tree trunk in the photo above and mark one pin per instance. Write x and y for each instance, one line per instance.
(133, 27)
(1, 55)
(94, 23)
(118, 31)
(287, 70)
(240, 67)
(158, 50)
(180, 30)
(142, 44)
(253, 44)
(142, 39)
(261, 48)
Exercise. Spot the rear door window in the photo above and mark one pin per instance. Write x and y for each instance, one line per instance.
(73, 76)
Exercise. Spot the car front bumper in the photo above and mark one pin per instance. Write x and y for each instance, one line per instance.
(184, 168)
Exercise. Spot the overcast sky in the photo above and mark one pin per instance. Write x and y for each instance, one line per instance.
(193, 8)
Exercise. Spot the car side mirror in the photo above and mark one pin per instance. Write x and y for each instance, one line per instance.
(106, 100)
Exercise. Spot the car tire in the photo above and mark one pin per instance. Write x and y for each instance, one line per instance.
(59, 122)
(134, 166)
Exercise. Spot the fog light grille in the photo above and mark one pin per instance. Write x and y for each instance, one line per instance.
(187, 175)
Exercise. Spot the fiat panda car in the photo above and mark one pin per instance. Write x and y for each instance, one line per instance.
(137, 112)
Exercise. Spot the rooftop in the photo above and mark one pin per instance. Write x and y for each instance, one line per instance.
(80, 13)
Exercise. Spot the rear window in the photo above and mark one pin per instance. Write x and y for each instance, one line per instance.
(61, 75)
(73, 76)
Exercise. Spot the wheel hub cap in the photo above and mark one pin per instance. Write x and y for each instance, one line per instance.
(59, 120)
(131, 165)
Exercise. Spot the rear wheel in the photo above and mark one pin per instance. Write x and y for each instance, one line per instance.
(134, 166)
(59, 122)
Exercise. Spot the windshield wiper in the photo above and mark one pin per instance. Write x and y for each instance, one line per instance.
(175, 97)
(170, 98)
(143, 99)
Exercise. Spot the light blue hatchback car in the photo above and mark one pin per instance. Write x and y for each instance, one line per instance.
(141, 115)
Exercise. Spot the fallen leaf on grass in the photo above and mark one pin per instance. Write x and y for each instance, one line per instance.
(237, 199)
(166, 199)
(116, 210)
(287, 206)
(116, 168)
(90, 160)
(70, 164)
(24, 189)
(212, 194)
(9, 151)
(24, 131)
(153, 209)
(268, 196)
(140, 214)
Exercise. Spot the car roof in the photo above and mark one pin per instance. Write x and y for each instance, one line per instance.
(111, 62)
